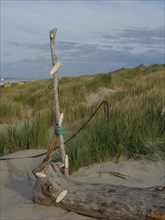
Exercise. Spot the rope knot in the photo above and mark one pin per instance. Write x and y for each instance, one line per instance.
(58, 129)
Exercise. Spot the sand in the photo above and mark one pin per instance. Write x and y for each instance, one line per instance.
(17, 182)
(96, 97)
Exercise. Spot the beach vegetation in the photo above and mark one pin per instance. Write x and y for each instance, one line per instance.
(135, 128)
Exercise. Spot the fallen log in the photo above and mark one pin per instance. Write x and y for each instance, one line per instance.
(104, 201)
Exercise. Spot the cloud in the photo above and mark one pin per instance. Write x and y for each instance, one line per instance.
(93, 36)
(7, 54)
(66, 45)
(85, 59)
(28, 67)
(142, 36)
(33, 46)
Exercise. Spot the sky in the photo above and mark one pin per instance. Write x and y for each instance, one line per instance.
(93, 36)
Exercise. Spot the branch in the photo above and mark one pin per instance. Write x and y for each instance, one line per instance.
(55, 68)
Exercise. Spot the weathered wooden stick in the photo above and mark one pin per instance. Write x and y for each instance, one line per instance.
(53, 142)
(104, 201)
(54, 60)
(51, 148)
(56, 97)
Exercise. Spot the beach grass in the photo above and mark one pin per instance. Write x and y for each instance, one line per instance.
(30, 134)
(135, 128)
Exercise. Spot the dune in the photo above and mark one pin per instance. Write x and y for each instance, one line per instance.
(17, 182)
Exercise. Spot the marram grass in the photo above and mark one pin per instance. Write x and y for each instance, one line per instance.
(136, 126)
(26, 135)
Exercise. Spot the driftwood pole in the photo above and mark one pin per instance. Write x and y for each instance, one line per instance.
(59, 115)
(52, 35)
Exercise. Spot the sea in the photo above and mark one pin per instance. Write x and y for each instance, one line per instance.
(15, 80)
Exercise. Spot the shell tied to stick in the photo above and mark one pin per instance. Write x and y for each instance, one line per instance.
(61, 196)
(55, 68)
(40, 175)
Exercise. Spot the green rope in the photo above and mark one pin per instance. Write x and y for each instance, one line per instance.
(58, 130)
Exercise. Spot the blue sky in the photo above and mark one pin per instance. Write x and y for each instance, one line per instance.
(93, 36)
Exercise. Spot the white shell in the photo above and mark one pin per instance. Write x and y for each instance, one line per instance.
(66, 162)
(61, 196)
(41, 175)
(62, 165)
(55, 68)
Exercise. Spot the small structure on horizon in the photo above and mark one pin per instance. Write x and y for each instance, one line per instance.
(1, 81)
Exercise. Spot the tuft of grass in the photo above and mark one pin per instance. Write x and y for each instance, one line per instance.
(97, 81)
(29, 134)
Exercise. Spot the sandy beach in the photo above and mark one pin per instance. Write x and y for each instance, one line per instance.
(17, 182)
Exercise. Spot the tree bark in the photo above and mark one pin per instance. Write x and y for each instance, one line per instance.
(105, 201)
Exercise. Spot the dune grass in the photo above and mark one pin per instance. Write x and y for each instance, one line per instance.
(136, 126)
(26, 135)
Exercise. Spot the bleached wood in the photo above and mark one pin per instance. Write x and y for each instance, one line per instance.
(104, 201)
(66, 161)
(61, 119)
(56, 96)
